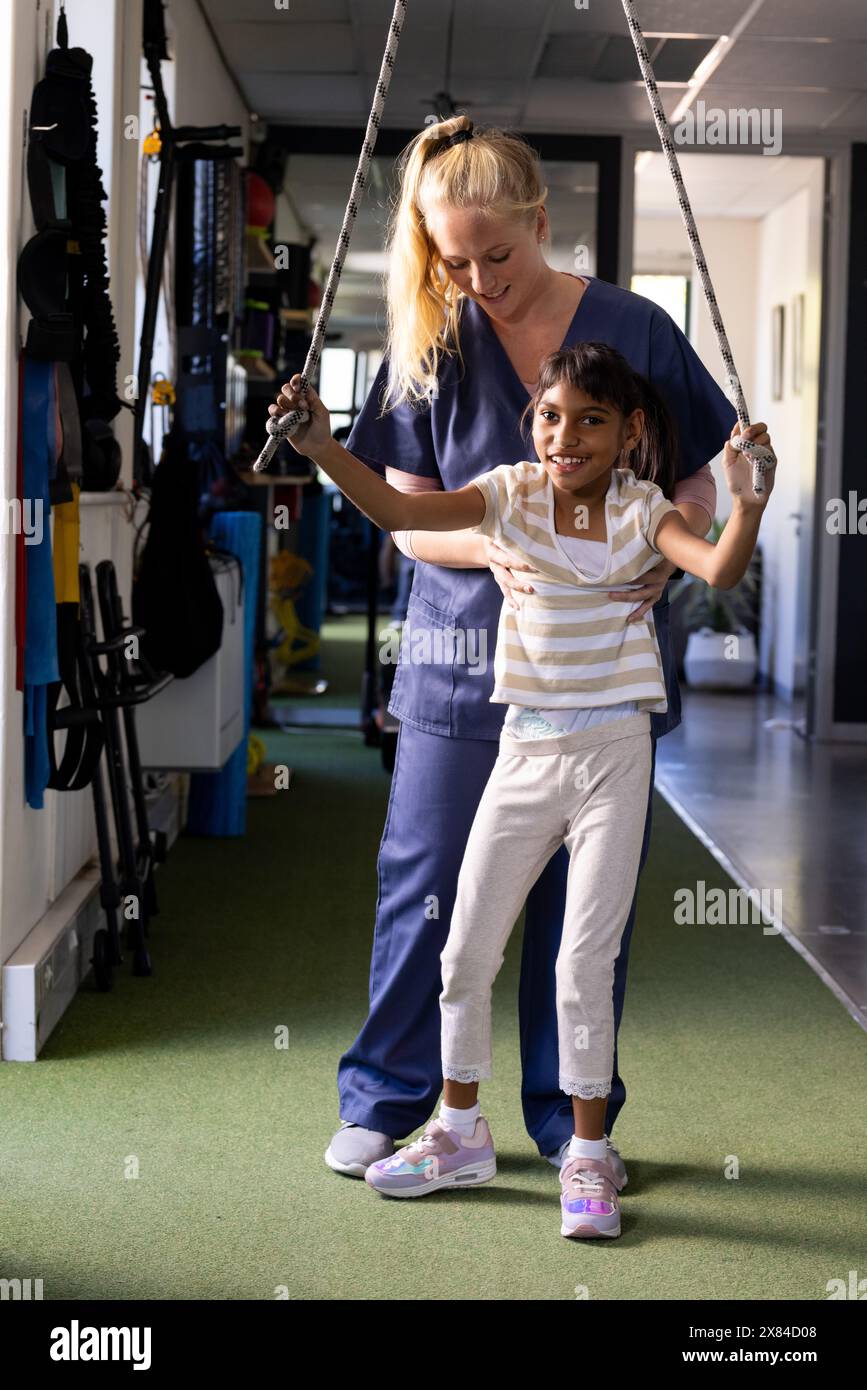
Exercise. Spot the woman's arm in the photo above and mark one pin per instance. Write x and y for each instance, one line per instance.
(458, 550)
(695, 499)
(451, 549)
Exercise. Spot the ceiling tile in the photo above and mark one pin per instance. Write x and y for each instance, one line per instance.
(834, 19)
(422, 51)
(305, 99)
(266, 11)
(678, 59)
(666, 16)
(756, 62)
(265, 48)
(573, 57)
(586, 106)
(495, 53)
(801, 110)
(852, 117)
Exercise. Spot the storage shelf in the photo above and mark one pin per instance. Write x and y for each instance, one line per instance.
(300, 318)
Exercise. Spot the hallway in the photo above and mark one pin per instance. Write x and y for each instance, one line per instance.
(731, 1045)
(783, 814)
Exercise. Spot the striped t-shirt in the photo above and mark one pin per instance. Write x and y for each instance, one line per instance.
(568, 646)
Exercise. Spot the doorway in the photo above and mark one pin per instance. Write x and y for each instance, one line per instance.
(760, 221)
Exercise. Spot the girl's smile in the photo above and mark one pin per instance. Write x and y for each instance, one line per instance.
(566, 463)
(579, 440)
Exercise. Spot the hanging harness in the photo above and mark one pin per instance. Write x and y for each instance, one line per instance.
(762, 457)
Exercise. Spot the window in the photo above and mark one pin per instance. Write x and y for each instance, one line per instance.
(670, 292)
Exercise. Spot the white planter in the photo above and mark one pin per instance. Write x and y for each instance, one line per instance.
(720, 660)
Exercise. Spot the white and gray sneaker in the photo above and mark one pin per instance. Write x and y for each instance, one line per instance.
(618, 1167)
(354, 1148)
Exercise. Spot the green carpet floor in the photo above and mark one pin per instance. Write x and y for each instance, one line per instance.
(730, 1046)
(341, 662)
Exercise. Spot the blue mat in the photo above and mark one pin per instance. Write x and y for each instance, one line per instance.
(40, 641)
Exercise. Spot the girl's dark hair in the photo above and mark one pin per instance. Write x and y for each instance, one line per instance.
(604, 374)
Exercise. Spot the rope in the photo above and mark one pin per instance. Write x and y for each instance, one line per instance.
(287, 424)
(762, 457)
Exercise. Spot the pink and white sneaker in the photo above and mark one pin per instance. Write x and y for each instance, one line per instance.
(441, 1157)
(588, 1198)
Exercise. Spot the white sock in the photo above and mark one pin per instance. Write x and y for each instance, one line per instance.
(464, 1121)
(586, 1148)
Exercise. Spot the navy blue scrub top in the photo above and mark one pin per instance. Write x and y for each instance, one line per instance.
(472, 426)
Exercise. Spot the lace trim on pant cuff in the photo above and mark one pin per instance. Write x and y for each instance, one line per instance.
(466, 1074)
(585, 1090)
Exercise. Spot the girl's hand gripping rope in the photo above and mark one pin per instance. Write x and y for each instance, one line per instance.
(750, 464)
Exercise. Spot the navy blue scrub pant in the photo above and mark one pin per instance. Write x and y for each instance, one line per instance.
(390, 1078)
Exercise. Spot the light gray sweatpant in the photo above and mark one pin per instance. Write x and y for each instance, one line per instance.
(587, 789)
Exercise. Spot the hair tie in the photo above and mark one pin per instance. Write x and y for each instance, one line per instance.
(456, 139)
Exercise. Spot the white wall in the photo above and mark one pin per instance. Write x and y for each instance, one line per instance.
(755, 263)
(730, 247)
(42, 851)
(789, 263)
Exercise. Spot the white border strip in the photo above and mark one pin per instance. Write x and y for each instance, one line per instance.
(740, 879)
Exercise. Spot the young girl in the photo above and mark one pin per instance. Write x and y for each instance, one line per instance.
(590, 517)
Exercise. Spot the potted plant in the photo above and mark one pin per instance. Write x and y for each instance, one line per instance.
(722, 625)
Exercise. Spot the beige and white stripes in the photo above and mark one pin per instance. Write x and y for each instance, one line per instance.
(569, 646)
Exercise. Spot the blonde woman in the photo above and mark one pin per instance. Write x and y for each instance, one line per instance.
(473, 309)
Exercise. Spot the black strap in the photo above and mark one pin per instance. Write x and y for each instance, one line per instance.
(85, 733)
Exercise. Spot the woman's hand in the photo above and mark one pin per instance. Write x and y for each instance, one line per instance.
(506, 569)
(647, 593)
(313, 433)
(738, 467)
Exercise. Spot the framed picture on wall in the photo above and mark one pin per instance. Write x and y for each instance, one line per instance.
(797, 343)
(777, 346)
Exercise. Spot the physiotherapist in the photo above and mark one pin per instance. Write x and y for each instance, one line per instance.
(473, 307)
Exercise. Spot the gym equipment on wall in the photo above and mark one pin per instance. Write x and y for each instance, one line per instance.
(126, 681)
(62, 270)
(208, 294)
(178, 145)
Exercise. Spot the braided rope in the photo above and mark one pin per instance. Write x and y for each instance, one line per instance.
(286, 425)
(762, 457)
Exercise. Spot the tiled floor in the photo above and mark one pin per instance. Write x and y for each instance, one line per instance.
(780, 813)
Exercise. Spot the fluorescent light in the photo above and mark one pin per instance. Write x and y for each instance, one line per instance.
(705, 70)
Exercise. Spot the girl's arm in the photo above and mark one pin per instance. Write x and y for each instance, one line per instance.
(391, 509)
(721, 565)
(724, 564)
(386, 506)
